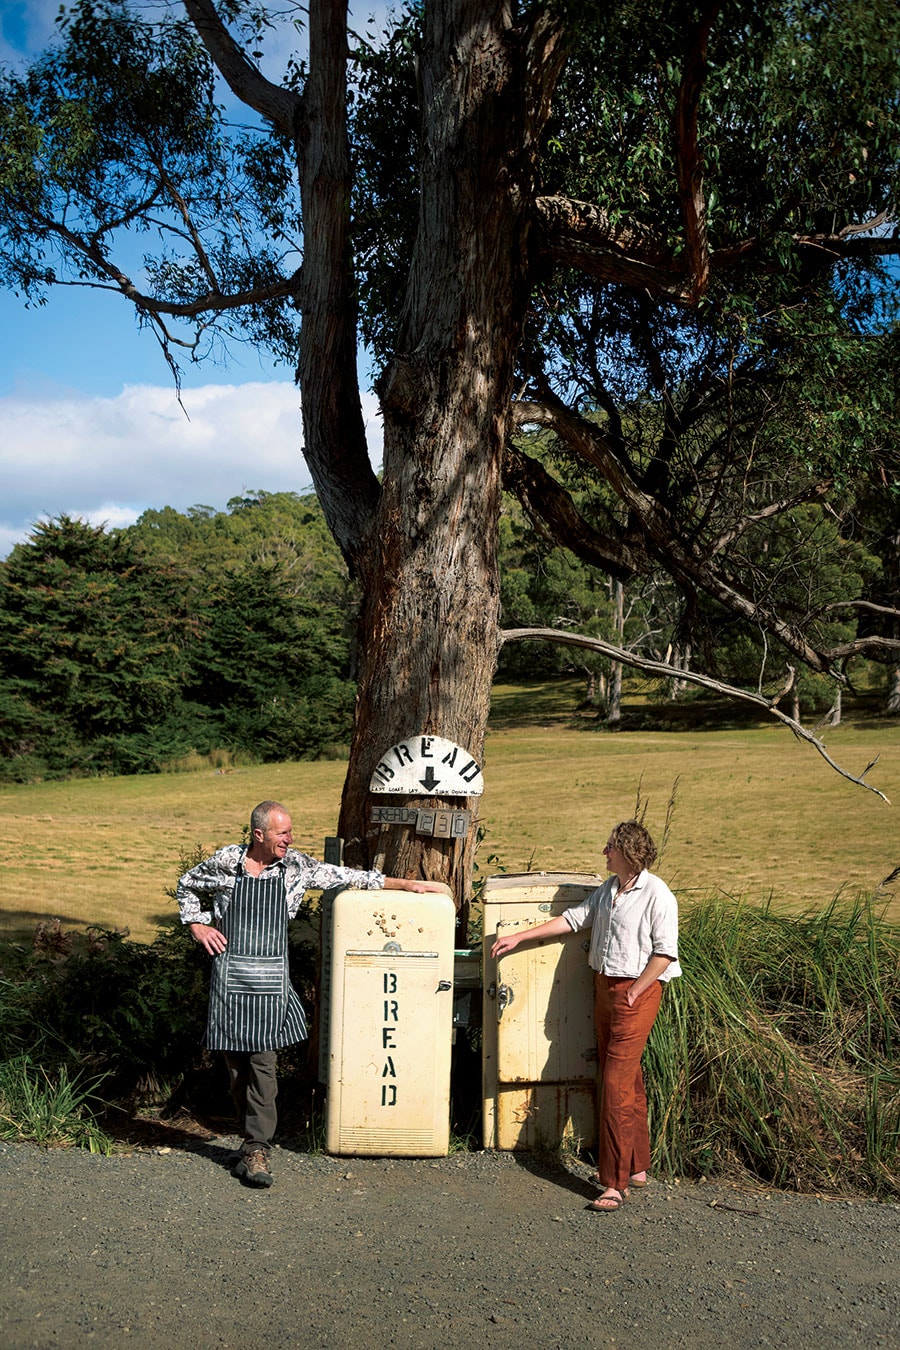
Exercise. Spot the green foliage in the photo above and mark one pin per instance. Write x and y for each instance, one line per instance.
(116, 130)
(122, 1010)
(294, 699)
(812, 564)
(776, 1050)
(126, 650)
(85, 1014)
(54, 1112)
(90, 647)
(779, 387)
(795, 113)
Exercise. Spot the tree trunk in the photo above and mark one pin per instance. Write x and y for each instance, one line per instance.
(681, 657)
(834, 715)
(892, 702)
(429, 627)
(614, 706)
(335, 439)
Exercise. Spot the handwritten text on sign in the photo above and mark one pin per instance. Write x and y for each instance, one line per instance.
(428, 765)
(440, 824)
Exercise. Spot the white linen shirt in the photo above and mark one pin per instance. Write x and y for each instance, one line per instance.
(627, 932)
(204, 892)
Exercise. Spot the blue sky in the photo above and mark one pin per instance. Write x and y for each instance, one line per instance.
(89, 420)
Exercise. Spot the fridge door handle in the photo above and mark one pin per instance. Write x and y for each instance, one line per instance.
(505, 996)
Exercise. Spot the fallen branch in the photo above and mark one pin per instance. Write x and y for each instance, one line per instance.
(666, 671)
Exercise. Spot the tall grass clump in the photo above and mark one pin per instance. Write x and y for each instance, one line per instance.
(775, 1053)
(53, 1110)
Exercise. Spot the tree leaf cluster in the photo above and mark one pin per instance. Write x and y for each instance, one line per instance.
(125, 650)
(118, 171)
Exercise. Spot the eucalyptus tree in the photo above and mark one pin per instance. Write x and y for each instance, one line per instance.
(91, 652)
(537, 214)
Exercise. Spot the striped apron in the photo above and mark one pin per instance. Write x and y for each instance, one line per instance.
(252, 1004)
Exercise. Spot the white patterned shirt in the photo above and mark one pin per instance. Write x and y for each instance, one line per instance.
(203, 892)
(628, 931)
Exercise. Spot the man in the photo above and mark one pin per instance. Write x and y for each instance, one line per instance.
(237, 905)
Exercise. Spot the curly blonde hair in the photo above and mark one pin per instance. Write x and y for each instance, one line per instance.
(635, 842)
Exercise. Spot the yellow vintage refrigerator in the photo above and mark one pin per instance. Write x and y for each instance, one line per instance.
(388, 1021)
(539, 1051)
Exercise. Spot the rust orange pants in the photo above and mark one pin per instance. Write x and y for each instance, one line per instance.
(624, 1138)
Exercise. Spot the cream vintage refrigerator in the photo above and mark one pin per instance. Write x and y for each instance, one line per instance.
(387, 1025)
(539, 1051)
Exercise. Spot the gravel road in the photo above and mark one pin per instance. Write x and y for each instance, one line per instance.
(163, 1248)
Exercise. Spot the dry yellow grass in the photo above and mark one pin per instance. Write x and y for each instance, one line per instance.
(757, 815)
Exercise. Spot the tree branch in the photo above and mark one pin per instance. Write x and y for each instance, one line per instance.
(212, 302)
(545, 54)
(281, 107)
(864, 644)
(808, 494)
(189, 225)
(581, 235)
(334, 432)
(687, 156)
(666, 671)
(865, 604)
(845, 244)
(685, 560)
(548, 504)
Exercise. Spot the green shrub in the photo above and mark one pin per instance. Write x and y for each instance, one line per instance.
(131, 1012)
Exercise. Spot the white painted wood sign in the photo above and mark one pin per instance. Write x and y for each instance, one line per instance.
(428, 765)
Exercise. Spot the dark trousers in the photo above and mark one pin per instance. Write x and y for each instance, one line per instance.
(254, 1088)
(624, 1137)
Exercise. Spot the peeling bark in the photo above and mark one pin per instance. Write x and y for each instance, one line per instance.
(430, 619)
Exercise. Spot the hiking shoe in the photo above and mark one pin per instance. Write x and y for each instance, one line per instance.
(253, 1168)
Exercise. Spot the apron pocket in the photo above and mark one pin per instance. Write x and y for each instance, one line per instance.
(254, 975)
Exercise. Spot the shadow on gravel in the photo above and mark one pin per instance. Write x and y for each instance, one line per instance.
(558, 1174)
(183, 1131)
(215, 1153)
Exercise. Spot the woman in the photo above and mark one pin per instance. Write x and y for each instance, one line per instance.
(633, 952)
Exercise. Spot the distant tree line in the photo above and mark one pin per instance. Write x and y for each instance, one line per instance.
(123, 651)
(232, 633)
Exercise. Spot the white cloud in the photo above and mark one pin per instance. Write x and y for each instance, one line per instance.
(108, 459)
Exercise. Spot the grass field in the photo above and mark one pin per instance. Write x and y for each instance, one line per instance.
(757, 815)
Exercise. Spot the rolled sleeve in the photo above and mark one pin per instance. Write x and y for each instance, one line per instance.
(200, 890)
(664, 926)
(582, 916)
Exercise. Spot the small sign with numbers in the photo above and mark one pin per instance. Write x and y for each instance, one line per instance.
(439, 824)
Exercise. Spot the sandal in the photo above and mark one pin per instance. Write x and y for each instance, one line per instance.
(610, 1202)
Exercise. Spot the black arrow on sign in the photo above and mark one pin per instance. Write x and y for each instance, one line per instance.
(429, 782)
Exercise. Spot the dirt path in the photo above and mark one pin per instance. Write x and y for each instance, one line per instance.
(166, 1249)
